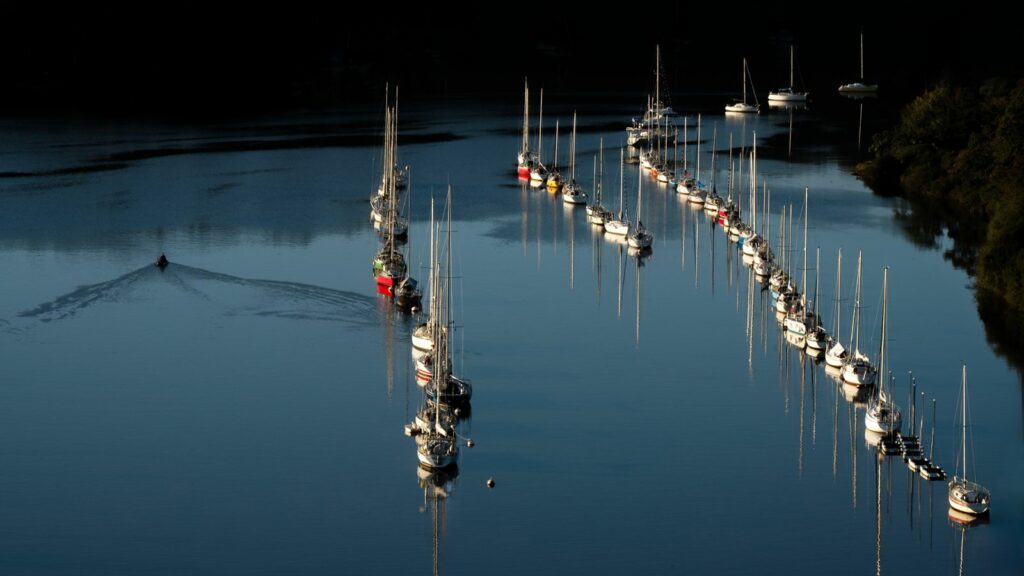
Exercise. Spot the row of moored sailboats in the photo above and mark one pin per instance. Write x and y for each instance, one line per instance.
(802, 324)
(446, 396)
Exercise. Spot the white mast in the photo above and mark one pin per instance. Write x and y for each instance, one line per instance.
(526, 119)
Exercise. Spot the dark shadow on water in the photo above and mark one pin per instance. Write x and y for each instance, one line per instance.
(277, 299)
(84, 169)
(1004, 329)
(121, 160)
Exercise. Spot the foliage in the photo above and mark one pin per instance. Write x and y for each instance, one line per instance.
(958, 154)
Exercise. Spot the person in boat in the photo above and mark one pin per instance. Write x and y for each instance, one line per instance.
(162, 261)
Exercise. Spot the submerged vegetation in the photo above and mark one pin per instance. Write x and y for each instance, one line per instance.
(956, 154)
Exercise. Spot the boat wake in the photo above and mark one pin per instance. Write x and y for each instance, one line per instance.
(230, 295)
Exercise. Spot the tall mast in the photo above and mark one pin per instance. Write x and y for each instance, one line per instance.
(697, 175)
(803, 281)
(862, 55)
(540, 127)
(657, 83)
(856, 310)
(744, 80)
(622, 162)
(526, 117)
(839, 291)
(572, 150)
(639, 196)
(817, 276)
(964, 418)
(556, 144)
(791, 67)
(881, 346)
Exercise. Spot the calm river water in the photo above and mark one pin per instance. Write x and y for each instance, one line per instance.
(241, 412)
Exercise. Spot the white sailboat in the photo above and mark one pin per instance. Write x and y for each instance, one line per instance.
(965, 495)
(620, 224)
(883, 416)
(572, 192)
(817, 337)
(444, 387)
(538, 173)
(436, 445)
(788, 94)
(858, 369)
(526, 158)
(859, 87)
(835, 354)
(639, 237)
(743, 107)
(797, 321)
(596, 212)
(554, 181)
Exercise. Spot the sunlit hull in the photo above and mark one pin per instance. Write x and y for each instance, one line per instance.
(617, 227)
(741, 108)
(968, 497)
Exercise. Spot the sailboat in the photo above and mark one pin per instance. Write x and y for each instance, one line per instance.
(596, 212)
(554, 181)
(835, 354)
(743, 107)
(788, 94)
(572, 192)
(639, 237)
(858, 369)
(817, 337)
(649, 126)
(859, 87)
(538, 173)
(620, 224)
(883, 416)
(444, 387)
(389, 268)
(965, 495)
(526, 158)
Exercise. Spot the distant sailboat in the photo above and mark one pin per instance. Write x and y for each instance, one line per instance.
(965, 495)
(620, 224)
(859, 87)
(526, 158)
(572, 192)
(788, 94)
(883, 416)
(743, 107)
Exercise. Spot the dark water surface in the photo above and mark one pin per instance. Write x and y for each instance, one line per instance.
(241, 412)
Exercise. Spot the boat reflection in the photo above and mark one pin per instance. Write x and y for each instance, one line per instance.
(437, 486)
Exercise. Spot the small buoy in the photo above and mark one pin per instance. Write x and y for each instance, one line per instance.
(469, 443)
(490, 482)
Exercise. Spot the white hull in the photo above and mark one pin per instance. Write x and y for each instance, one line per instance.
(433, 461)
(577, 198)
(421, 339)
(968, 497)
(859, 374)
(796, 326)
(617, 227)
(741, 108)
(858, 88)
(882, 419)
(786, 96)
(640, 241)
(817, 339)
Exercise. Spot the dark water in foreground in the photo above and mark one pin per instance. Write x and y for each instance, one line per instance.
(242, 411)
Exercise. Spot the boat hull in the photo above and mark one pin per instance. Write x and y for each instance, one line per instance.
(965, 497)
